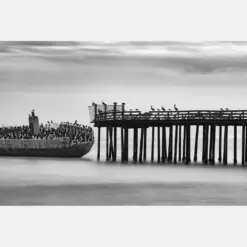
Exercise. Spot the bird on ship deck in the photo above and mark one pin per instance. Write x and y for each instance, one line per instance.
(227, 109)
(163, 109)
(221, 109)
(103, 103)
(176, 109)
(152, 108)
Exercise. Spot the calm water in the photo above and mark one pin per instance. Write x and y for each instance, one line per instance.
(46, 181)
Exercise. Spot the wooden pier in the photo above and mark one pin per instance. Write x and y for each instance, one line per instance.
(172, 132)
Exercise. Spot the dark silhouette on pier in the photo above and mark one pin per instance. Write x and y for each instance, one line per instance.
(173, 147)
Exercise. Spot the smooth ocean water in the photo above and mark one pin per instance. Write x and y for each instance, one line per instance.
(46, 181)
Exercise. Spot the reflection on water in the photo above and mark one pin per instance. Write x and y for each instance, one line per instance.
(46, 181)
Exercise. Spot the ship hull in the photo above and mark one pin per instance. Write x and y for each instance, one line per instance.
(76, 151)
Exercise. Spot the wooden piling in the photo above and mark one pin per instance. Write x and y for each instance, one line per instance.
(170, 143)
(203, 142)
(176, 144)
(235, 145)
(179, 143)
(220, 144)
(210, 144)
(107, 143)
(126, 144)
(115, 144)
(152, 148)
(184, 143)
(196, 143)
(225, 155)
(111, 154)
(206, 143)
(188, 145)
(243, 144)
(145, 144)
(158, 146)
(213, 145)
(122, 144)
(246, 144)
(163, 145)
(98, 155)
(135, 141)
(141, 145)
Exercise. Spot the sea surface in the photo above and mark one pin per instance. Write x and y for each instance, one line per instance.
(56, 181)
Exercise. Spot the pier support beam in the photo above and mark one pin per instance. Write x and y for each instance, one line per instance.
(107, 143)
(225, 155)
(211, 144)
(135, 144)
(152, 148)
(243, 144)
(163, 153)
(184, 143)
(170, 143)
(196, 143)
(235, 145)
(126, 144)
(98, 154)
(179, 143)
(213, 151)
(158, 146)
(220, 144)
(188, 145)
(115, 144)
(176, 144)
(141, 145)
(111, 154)
(145, 144)
(122, 145)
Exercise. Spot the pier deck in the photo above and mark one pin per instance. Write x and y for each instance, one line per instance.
(173, 148)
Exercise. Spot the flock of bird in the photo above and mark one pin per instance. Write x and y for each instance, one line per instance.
(153, 109)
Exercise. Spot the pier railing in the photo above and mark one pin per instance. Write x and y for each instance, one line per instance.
(127, 115)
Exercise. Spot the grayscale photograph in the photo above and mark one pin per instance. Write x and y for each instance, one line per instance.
(123, 123)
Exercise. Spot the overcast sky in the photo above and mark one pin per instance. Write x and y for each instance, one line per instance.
(60, 80)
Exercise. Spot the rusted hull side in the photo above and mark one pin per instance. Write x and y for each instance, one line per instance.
(70, 152)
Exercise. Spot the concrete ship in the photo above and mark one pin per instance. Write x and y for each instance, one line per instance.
(55, 147)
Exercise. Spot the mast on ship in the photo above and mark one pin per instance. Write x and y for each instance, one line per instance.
(34, 123)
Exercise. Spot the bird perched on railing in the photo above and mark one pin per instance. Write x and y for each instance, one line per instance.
(152, 108)
(103, 103)
(221, 109)
(227, 109)
(176, 109)
(163, 109)
(93, 103)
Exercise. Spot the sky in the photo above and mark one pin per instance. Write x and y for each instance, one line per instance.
(61, 79)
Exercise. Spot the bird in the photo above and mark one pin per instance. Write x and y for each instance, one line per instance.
(103, 103)
(175, 107)
(93, 103)
(221, 109)
(152, 108)
(227, 109)
(163, 109)
(137, 109)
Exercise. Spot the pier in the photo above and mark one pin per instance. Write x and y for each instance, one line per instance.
(171, 130)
